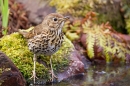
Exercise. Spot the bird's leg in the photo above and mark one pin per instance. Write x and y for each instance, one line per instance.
(34, 68)
(52, 71)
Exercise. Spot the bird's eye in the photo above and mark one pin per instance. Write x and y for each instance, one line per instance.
(55, 19)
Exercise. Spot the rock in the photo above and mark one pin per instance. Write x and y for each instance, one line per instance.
(9, 73)
(75, 67)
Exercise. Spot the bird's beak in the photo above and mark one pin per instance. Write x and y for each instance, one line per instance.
(65, 18)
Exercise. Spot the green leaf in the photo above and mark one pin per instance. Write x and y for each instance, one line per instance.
(5, 15)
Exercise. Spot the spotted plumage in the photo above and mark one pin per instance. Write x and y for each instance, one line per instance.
(46, 44)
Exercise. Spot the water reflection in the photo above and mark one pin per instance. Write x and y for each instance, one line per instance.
(100, 75)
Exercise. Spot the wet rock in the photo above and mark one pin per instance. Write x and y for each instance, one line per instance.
(75, 67)
(9, 73)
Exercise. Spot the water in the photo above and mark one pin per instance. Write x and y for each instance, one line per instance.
(99, 75)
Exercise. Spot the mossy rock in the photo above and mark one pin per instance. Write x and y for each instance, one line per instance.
(15, 47)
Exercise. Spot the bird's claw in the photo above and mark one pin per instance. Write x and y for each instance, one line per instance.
(33, 76)
(53, 76)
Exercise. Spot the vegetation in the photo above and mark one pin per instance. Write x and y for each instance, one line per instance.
(72, 29)
(112, 48)
(102, 41)
(107, 11)
(5, 15)
(126, 10)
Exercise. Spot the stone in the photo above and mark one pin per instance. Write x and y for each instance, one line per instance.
(9, 73)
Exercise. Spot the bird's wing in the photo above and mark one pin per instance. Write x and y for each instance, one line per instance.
(36, 31)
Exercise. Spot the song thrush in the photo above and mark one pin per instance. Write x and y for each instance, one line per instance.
(46, 38)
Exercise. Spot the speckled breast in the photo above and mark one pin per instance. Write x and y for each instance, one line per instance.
(47, 45)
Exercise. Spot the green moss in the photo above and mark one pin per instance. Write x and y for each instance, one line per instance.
(15, 47)
(128, 25)
(74, 7)
(126, 9)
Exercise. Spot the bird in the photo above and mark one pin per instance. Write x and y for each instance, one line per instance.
(46, 39)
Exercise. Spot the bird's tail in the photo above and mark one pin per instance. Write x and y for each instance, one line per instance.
(25, 33)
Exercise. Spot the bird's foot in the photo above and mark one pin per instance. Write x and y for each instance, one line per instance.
(34, 76)
(53, 76)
